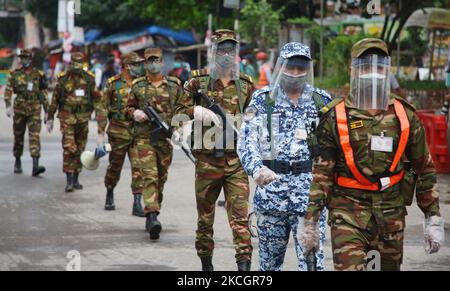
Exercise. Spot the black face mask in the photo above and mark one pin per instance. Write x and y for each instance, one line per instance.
(291, 84)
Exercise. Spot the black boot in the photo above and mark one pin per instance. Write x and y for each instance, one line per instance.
(244, 266)
(109, 204)
(137, 206)
(37, 170)
(207, 265)
(69, 187)
(18, 166)
(76, 183)
(153, 226)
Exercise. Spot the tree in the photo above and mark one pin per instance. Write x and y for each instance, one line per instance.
(260, 24)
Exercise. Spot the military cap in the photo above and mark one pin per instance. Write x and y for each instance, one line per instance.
(295, 49)
(222, 35)
(24, 53)
(368, 43)
(131, 58)
(77, 57)
(153, 52)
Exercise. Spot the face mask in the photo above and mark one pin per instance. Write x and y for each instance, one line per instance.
(26, 63)
(76, 68)
(154, 68)
(293, 83)
(225, 62)
(136, 70)
(260, 63)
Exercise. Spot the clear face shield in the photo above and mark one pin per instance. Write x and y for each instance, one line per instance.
(292, 76)
(224, 60)
(370, 84)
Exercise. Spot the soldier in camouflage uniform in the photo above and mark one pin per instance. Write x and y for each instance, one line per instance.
(217, 167)
(29, 84)
(373, 154)
(154, 151)
(276, 148)
(75, 98)
(120, 134)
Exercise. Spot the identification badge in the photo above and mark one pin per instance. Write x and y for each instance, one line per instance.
(30, 86)
(79, 93)
(301, 134)
(382, 144)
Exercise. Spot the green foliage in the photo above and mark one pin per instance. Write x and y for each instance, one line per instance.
(337, 59)
(422, 85)
(301, 21)
(45, 11)
(260, 24)
(177, 14)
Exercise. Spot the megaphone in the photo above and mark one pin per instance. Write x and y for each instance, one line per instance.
(91, 160)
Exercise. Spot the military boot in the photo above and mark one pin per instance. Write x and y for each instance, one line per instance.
(244, 266)
(207, 265)
(37, 170)
(18, 166)
(137, 206)
(109, 204)
(76, 183)
(69, 187)
(153, 226)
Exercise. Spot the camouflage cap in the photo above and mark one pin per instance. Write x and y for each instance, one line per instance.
(295, 49)
(77, 57)
(131, 58)
(153, 52)
(222, 35)
(24, 53)
(368, 43)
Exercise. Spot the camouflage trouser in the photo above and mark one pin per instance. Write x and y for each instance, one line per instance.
(274, 230)
(33, 122)
(153, 163)
(74, 139)
(351, 245)
(213, 174)
(120, 148)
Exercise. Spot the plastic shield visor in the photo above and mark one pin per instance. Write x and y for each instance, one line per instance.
(223, 61)
(292, 76)
(370, 84)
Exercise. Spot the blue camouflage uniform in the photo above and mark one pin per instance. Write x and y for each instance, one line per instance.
(280, 206)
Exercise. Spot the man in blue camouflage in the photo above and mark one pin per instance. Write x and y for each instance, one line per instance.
(276, 147)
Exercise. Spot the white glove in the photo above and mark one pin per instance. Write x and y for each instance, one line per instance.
(265, 176)
(100, 139)
(140, 116)
(9, 111)
(309, 237)
(433, 234)
(49, 126)
(206, 115)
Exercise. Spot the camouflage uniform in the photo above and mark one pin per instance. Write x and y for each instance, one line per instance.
(153, 157)
(120, 131)
(30, 89)
(75, 98)
(216, 173)
(363, 220)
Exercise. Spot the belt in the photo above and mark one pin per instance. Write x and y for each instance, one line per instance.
(76, 109)
(283, 167)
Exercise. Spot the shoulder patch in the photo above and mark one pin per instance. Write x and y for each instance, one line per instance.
(331, 105)
(199, 73)
(113, 79)
(62, 74)
(405, 103)
(174, 80)
(246, 78)
(138, 80)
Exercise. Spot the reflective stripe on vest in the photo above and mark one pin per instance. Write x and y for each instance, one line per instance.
(361, 182)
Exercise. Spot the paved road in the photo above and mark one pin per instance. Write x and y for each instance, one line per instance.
(40, 224)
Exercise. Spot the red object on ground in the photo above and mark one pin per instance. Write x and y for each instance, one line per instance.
(436, 132)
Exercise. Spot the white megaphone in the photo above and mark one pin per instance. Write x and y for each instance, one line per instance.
(91, 160)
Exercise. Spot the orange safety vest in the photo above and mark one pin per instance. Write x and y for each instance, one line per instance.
(263, 78)
(361, 182)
